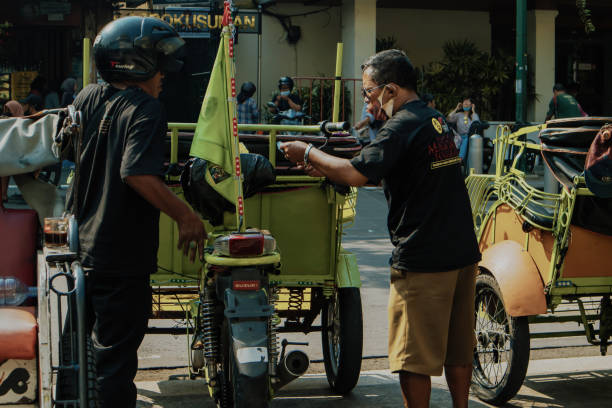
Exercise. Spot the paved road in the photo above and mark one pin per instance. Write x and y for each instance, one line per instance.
(368, 239)
(569, 383)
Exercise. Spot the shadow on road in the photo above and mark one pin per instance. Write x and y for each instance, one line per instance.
(578, 389)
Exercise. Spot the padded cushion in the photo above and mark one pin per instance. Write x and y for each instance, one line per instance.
(345, 146)
(568, 137)
(18, 333)
(18, 230)
(591, 121)
(533, 207)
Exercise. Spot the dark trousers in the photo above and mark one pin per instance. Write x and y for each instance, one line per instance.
(118, 314)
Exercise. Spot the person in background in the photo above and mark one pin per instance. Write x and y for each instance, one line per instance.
(368, 120)
(39, 86)
(429, 100)
(247, 107)
(52, 98)
(11, 109)
(563, 105)
(285, 99)
(32, 104)
(463, 116)
(69, 89)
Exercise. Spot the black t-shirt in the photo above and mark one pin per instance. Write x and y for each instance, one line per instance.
(283, 105)
(430, 218)
(124, 135)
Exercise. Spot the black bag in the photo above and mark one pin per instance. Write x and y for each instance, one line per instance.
(257, 172)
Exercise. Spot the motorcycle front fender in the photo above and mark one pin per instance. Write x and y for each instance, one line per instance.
(247, 313)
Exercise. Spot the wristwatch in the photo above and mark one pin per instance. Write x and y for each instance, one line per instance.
(306, 152)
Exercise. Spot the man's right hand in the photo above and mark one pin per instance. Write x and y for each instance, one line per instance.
(191, 229)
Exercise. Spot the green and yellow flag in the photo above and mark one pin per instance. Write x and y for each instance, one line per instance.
(212, 140)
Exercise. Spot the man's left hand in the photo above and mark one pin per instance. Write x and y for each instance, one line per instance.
(294, 151)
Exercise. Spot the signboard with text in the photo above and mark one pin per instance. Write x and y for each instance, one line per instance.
(198, 22)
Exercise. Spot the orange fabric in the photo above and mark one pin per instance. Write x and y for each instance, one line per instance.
(18, 333)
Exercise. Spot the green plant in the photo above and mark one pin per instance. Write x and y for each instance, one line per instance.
(327, 88)
(466, 71)
(585, 16)
(386, 43)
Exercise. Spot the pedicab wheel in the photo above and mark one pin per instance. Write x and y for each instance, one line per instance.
(67, 380)
(342, 335)
(501, 355)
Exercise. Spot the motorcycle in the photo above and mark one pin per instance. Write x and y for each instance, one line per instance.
(235, 344)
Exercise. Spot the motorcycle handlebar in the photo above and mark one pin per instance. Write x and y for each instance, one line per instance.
(330, 127)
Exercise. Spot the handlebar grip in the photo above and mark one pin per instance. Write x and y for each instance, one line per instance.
(329, 127)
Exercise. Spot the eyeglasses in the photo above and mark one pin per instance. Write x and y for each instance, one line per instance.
(366, 92)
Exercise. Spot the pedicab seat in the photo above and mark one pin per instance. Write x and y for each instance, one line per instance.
(18, 333)
(564, 149)
(534, 210)
(18, 235)
(344, 145)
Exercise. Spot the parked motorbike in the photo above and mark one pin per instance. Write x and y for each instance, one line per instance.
(235, 345)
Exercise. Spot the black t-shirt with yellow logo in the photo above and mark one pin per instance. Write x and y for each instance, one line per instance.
(430, 219)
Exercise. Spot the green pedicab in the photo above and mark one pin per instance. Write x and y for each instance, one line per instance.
(315, 275)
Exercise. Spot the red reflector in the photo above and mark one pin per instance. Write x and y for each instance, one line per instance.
(246, 244)
(245, 285)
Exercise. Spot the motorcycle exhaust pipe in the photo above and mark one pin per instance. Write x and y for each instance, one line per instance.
(292, 366)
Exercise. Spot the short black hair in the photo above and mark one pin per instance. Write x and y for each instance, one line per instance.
(427, 97)
(558, 87)
(391, 66)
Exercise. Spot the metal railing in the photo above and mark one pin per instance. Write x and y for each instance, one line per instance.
(326, 95)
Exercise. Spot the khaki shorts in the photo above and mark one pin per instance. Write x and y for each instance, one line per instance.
(431, 320)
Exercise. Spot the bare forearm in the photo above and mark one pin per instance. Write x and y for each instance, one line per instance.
(152, 189)
(336, 169)
(294, 105)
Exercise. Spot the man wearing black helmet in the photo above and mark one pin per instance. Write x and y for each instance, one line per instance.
(285, 99)
(120, 192)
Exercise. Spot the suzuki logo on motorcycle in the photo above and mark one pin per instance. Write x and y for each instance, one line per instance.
(245, 285)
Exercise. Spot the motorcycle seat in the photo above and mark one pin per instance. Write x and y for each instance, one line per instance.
(18, 333)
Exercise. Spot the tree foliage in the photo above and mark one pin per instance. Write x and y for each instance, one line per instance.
(466, 71)
(585, 16)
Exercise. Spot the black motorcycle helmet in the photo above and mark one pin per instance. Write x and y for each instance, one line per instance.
(135, 48)
(246, 91)
(285, 81)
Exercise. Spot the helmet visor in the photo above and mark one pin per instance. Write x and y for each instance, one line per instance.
(170, 45)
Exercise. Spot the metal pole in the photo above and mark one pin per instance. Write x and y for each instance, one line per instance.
(337, 84)
(521, 58)
(260, 17)
(475, 153)
(86, 61)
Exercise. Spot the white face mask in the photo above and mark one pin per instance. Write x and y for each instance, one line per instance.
(387, 107)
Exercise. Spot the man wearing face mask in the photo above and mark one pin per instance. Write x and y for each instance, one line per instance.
(285, 99)
(433, 265)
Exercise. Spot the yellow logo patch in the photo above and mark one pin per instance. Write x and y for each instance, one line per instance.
(437, 125)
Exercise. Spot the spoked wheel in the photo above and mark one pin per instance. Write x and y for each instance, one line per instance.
(342, 335)
(501, 356)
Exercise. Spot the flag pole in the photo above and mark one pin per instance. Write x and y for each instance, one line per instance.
(230, 75)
